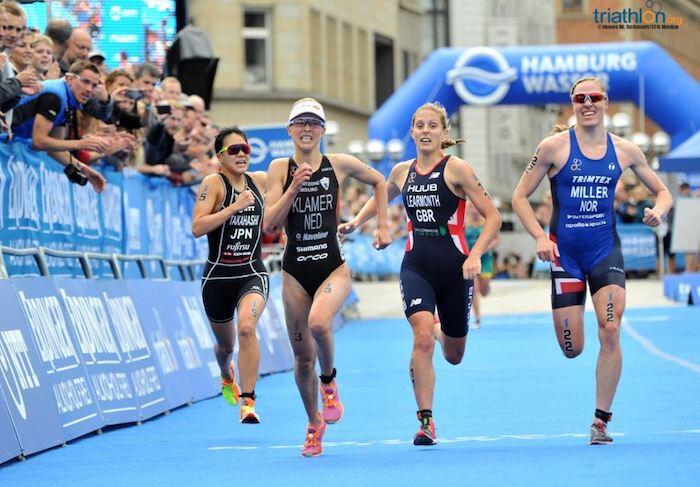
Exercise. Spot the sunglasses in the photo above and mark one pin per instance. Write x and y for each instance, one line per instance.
(234, 149)
(595, 97)
(313, 122)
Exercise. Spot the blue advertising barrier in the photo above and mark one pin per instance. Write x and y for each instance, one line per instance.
(683, 288)
(639, 246)
(24, 383)
(135, 214)
(9, 443)
(639, 72)
(73, 393)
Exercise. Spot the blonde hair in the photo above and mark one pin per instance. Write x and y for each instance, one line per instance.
(442, 112)
(40, 38)
(589, 78)
(558, 128)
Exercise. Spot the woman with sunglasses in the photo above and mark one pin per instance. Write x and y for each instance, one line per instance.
(303, 193)
(438, 268)
(584, 164)
(229, 210)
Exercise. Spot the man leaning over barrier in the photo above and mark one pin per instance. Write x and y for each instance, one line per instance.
(45, 118)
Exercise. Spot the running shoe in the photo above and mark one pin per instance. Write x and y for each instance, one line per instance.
(426, 435)
(229, 388)
(599, 434)
(477, 324)
(332, 409)
(248, 414)
(312, 445)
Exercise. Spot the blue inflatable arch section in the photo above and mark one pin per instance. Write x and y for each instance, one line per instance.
(639, 72)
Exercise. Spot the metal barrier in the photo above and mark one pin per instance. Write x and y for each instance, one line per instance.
(185, 267)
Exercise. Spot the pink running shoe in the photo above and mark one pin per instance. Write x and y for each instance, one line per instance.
(312, 445)
(332, 407)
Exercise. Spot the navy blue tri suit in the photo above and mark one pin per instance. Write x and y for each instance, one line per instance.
(431, 271)
(234, 268)
(583, 226)
(313, 251)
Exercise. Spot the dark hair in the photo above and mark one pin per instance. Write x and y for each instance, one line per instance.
(225, 132)
(59, 30)
(146, 69)
(80, 66)
(117, 73)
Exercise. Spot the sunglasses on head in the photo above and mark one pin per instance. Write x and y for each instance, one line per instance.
(302, 121)
(234, 149)
(592, 97)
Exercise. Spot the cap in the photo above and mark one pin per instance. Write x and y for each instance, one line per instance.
(307, 105)
(97, 53)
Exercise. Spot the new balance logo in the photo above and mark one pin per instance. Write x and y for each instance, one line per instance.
(415, 302)
(434, 175)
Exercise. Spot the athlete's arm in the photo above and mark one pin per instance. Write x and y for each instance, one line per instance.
(664, 200)
(531, 178)
(260, 180)
(393, 189)
(460, 174)
(357, 169)
(278, 202)
(204, 218)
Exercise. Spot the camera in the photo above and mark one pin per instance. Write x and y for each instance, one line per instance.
(133, 94)
(75, 175)
(163, 109)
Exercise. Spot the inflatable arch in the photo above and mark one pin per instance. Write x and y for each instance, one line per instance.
(639, 72)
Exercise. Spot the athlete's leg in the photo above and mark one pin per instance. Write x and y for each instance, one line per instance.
(476, 303)
(421, 368)
(568, 326)
(484, 285)
(297, 303)
(250, 307)
(609, 303)
(327, 301)
(225, 336)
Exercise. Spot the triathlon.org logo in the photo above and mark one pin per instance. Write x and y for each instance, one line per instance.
(651, 16)
(481, 76)
(576, 164)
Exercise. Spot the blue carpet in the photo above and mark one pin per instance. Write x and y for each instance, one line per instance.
(515, 412)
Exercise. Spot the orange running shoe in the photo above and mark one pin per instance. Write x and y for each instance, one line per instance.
(426, 435)
(248, 414)
(332, 409)
(312, 445)
(229, 388)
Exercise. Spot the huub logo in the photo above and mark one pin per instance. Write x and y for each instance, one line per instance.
(576, 164)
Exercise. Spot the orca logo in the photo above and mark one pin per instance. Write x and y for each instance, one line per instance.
(481, 76)
(258, 150)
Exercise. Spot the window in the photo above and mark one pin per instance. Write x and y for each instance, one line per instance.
(383, 69)
(410, 63)
(435, 24)
(256, 38)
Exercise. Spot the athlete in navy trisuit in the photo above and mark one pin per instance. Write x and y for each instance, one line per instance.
(229, 210)
(584, 164)
(303, 195)
(438, 269)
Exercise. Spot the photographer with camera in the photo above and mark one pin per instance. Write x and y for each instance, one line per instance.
(45, 117)
(160, 139)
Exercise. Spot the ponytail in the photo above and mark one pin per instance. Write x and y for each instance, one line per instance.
(450, 142)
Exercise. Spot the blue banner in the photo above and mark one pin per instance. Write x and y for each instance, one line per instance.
(23, 381)
(134, 214)
(99, 350)
(162, 341)
(72, 391)
(638, 246)
(134, 348)
(9, 443)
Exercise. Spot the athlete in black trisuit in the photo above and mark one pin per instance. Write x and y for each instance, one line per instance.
(229, 210)
(438, 269)
(303, 195)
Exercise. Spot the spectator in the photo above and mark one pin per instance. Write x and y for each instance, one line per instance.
(159, 139)
(77, 49)
(172, 89)
(42, 61)
(21, 56)
(146, 76)
(11, 85)
(59, 31)
(98, 59)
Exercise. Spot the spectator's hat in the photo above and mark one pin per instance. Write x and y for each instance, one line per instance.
(97, 54)
(307, 106)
